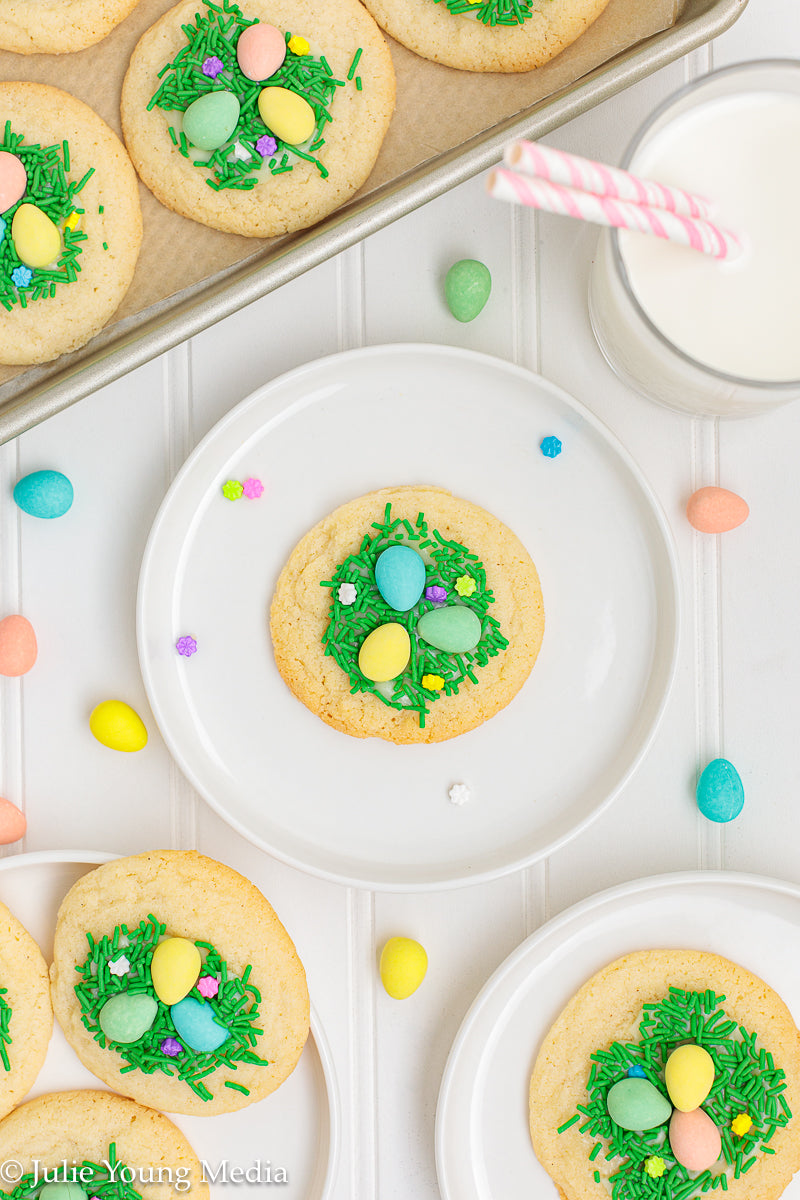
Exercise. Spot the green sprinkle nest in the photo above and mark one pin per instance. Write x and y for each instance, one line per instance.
(110, 1180)
(746, 1080)
(492, 12)
(216, 35)
(49, 189)
(235, 1006)
(349, 625)
(5, 1033)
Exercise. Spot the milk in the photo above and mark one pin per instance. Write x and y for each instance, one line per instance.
(698, 333)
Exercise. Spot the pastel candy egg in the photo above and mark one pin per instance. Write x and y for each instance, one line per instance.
(17, 646)
(720, 791)
(260, 51)
(695, 1139)
(175, 969)
(116, 725)
(455, 629)
(636, 1104)
(716, 510)
(36, 239)
(466, 288)
(12, 823)
(127, 1016)
(287, 115)
(196, 1026)
(45, 494)
(689, 1074)
(13, 180)
(209, 121)
(58, 1190)
(400, 576)
(385, 652)
(403, 966)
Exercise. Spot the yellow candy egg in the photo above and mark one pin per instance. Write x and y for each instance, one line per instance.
(385, 652)
(36, 239)
(287, 115)
(403, 966)
(116, 725)
(175, 969)
(689, 1074)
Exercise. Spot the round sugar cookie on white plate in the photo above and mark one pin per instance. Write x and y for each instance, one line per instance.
(267, 175)
(26, 1015)
(58, 26)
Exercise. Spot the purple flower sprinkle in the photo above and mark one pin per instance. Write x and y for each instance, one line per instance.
(207, 985)
(171, 1047)
(212, 66)
(436, 594)
(266, 145)
(253, 489)
(186, 646)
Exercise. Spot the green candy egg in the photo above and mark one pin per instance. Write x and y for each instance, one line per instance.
(455, 629)
(62, 1191)
(125, 1018)
(636, 1104)
(210, 121)
(466, 288)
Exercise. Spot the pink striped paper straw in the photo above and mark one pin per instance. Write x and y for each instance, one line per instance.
(586, 175)
(604, 210)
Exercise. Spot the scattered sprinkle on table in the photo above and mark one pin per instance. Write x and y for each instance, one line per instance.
(459, 793)
(550, 446)
(253, 489)
(232, 490)
(186, 646)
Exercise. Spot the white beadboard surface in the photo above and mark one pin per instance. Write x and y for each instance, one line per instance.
(736, 692)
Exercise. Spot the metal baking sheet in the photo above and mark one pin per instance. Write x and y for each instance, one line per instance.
(40, 392)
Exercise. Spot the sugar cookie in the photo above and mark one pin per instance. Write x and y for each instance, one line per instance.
(58, 26)
(26, 1016)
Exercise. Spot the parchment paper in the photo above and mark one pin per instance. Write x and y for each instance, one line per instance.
(438, 108)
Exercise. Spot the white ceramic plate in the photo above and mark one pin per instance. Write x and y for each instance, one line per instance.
(296, 1128)
(483, 1148)
(367, 812)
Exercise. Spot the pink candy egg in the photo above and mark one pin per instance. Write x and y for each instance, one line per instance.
(260, 51)
(17, 646)
(13, 180)
(12, 823)
(716, 510)
(695, 1139)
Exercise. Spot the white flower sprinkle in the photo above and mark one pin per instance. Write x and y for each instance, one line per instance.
(459, 793)
(119, 966)
(347, 593)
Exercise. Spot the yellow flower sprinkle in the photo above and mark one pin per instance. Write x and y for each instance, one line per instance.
(465, 585)
(72, 220)
(654, 1166)
(433, 683)
(741, 1124)
(298, 45)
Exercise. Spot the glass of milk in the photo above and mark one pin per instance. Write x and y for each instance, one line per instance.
(705, 336)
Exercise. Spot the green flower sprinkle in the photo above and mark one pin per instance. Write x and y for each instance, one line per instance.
(235, 1006)
(349, 625)
(746, 1078)
(492, 12)
(50, 190)
(237, 164)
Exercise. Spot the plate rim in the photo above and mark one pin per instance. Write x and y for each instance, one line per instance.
(666, 881)
(70, 857)
(673, 602)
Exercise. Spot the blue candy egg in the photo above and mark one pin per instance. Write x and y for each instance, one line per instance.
(46, 494)
(720, 792)
(400, 576)
(196, 1025)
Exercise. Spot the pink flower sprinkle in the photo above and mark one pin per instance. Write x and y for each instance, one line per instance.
(186, 646)
(266, 145)
(253, 489)
(212, 66)
(207, 985)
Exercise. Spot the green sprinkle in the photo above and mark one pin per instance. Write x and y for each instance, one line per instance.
(237, 1087)
(568, 1124)
(354, 63)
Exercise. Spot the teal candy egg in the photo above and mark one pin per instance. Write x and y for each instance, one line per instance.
(400, 576)
(466, 288)
(46, 494)
(196, 1026)
(126, 1017)
(210, 121)
(636, 1104)
(62, 1191)
(455, 629)
(720, 791)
